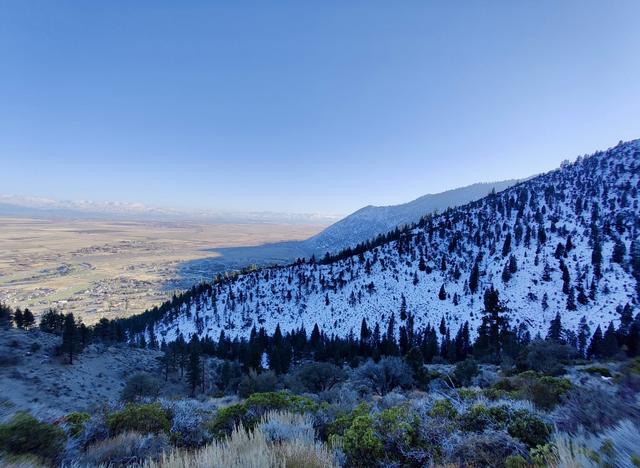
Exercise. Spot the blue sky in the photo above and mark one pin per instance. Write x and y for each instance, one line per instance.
(319, 106)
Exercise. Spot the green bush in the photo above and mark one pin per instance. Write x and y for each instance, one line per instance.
(281, 401)
(344, 421)
(516, 461)
(141, 418)
(504, 385)
(254, 382)
(467, 393)
(633, 366)
(479, 418)
(543, 391)
(494, 393)
(396, 423)
(76, 421)
(465, 371)
(24, 434)
(490, 449)
(251, 410)
(529, 429)
(546, 357)
(360, 443)
(595, 370)
(546, 392)
(443, 409)
(226, 420)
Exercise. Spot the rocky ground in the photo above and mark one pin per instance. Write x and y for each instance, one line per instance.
(33, 378)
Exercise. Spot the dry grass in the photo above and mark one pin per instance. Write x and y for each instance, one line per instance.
(618, 446)
(252, 449)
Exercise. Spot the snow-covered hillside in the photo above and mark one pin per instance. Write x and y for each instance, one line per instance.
(371, 221)
(537, 242)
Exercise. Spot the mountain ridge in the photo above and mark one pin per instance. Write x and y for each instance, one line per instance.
(371, 221)
(565, 231)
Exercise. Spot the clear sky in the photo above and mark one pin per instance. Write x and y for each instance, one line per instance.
(306, 106)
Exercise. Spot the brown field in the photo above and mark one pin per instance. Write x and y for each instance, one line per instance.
(112, 268)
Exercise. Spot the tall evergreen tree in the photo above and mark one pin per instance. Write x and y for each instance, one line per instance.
(70, 342)
(584, 332)
(442, 294)
(555, 330)
(609, 342)
(194, 371)
(595, 347)
(28, 319)
(571, 300)
(473, 278)
(619, 251)
(18, 318)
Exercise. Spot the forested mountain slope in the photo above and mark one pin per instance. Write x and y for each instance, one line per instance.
(564, 242)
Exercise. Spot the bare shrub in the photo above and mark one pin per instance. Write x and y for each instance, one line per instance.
(140, 386)
(187, 428)
(315, 377)
(489, 448)
(125, 448)
(257, 383)
(287, 427)
(593, 409)
(388, 374)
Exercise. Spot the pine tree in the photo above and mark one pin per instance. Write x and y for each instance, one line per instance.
(364, 338)
(28, 319)
(167, 360)
(555, 329)
(506, 274)
(566, 278)
(609, 342)
(18, 318)
(506, 247)
(473, 278)
(582, 297)
(403, 341)
(443, 326)
(279, 354)
(583, 336)
(596, 255)
(595, 347)
(571, 300)
(5, 316)
(390, 347)
(619, 251)
(194, 373)
(416, 361)
(442, 294)
(70, 341)
(403, 309)
(492, 322)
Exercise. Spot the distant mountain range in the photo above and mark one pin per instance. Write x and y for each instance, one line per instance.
(34, 207)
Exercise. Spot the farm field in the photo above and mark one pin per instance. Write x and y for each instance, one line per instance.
(97, 268)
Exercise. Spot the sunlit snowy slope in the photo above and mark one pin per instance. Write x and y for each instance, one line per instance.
(565, 241)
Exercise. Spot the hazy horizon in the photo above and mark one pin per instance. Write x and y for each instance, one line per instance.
(314, 108)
